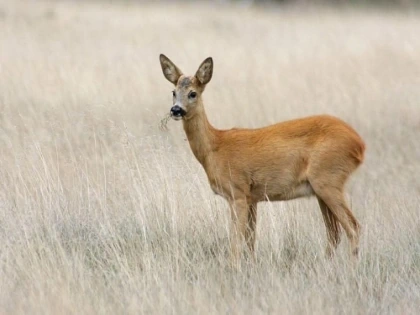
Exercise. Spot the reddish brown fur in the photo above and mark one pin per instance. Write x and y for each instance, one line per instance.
(292, 159)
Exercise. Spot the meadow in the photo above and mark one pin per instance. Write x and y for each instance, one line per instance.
(101, 212)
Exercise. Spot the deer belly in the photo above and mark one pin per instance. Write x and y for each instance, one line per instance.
(282, 192)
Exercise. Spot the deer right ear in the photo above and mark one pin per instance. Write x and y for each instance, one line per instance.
(170, 71)
(205, 71)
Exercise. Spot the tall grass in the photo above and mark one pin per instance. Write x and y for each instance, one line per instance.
(101, 212)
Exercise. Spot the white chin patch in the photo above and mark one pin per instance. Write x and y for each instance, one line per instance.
(176, 117)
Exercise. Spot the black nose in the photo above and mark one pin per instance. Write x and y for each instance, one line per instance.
(177, 111)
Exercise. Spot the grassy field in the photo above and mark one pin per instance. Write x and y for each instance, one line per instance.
(102, 212)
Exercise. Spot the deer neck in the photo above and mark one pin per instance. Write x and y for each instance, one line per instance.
(201, 134)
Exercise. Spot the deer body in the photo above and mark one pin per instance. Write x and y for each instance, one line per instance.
(288, 160)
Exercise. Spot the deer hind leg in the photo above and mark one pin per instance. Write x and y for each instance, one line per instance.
(334, 200)
(250, 232)
(332, 226)
(239, 222)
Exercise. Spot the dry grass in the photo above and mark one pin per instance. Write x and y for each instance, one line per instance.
(101, 212)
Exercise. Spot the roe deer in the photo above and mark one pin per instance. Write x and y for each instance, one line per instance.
(292, 159)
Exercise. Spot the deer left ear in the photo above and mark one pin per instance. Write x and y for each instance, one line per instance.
(205, 71)
(170, 70)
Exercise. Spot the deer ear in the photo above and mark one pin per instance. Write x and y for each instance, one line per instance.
(170, 71)
(205, 71)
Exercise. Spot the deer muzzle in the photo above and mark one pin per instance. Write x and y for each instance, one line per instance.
(177, 112)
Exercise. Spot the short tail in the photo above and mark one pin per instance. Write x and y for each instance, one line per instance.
(359, 151)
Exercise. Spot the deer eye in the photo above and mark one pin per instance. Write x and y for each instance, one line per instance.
(192, 95)
(173, 93)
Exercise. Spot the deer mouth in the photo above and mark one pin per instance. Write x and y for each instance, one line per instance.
(177, 112)
(176, 117)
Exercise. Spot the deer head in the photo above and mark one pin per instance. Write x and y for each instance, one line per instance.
(187, 95)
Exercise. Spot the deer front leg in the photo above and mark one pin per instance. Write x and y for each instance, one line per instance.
(239, 222)
(250, 231)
